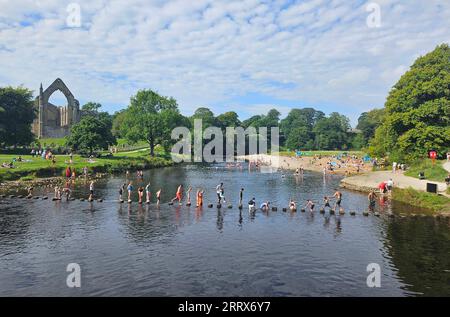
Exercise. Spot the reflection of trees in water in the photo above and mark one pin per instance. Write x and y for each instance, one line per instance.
(12, 228)
(420, 250)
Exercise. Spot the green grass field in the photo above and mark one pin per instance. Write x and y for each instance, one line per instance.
(38, 167)
(422, 199)
(432, 172)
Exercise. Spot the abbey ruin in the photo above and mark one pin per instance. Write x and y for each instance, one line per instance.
(55, 121)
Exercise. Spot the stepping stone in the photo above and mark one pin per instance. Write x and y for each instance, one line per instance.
(322, 211)
(274, 208)
(284, 209)
(147, 202)
(45, 198)
(20, 196)
(36, 197)
(121, 201)
(188, 204)
(100, 200)
(230, 206)
(71, 199)
(219, 206)
(210, 205)
(12, 196)
(55, 199)
(365, 213)
(376, 214)
(295, 210)
(81, 199)
(130, 202)
(341, 211)
(240, 206)
(391, 215)
(302, 210)
(352, 213)
(332, 212)
(29, 196)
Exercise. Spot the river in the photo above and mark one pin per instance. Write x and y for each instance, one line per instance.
(184, 251)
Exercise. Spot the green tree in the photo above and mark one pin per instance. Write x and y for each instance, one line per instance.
(368, 122)
(417, 110)
(331, 133)
(228, 119)
(90, 134)
(207, 117)
(117, 120)
(151, 118)
(298, 126)
(16, 116)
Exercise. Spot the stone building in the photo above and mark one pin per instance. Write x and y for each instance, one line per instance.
(55, 121)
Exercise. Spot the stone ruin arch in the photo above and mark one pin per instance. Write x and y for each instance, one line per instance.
(55, 121)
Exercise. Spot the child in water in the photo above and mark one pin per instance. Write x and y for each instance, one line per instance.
(178, 195)
(148, 193)
(200, 198)
(158, 197)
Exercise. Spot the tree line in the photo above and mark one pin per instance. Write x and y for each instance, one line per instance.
(415, 119)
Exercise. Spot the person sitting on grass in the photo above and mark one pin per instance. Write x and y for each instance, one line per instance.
(447, 179)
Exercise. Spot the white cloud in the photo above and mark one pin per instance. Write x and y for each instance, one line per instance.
(205, 52)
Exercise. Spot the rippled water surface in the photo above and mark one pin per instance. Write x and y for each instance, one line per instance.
(182, 251)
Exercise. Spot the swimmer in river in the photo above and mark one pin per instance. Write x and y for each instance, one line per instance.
(57, 193)
(199, 197)
(158, 197)
(91, 191)
(326, 202)
(130, 190)
(371, 197)
(338, 196)
(292, 205)
(252, 204)
(219, 192)
(241, 196)
(178, 195)
(121, 189)
(148, 193)
(68, 192)
(188, 195)
(265, 206)
(140, 194)
(310, 205)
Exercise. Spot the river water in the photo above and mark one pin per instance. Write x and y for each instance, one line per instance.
(183, 251)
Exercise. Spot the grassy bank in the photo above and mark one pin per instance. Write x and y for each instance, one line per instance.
(37, 167)
(432, 172)
(420, 199)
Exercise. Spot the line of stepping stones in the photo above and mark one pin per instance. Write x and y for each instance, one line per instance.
(219, 206)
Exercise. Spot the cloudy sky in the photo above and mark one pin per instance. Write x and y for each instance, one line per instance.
(247, 55)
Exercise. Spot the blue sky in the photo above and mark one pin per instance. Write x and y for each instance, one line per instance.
(247, 55)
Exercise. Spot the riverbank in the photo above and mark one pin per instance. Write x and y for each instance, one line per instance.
(409, 190)
(344, 166)
(35, 170)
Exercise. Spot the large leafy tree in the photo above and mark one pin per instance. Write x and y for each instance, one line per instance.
(331, 133)
(368, 122)
(151, 118)
(418, 110)
(90, 134)
(298, 126)
(16, 116)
